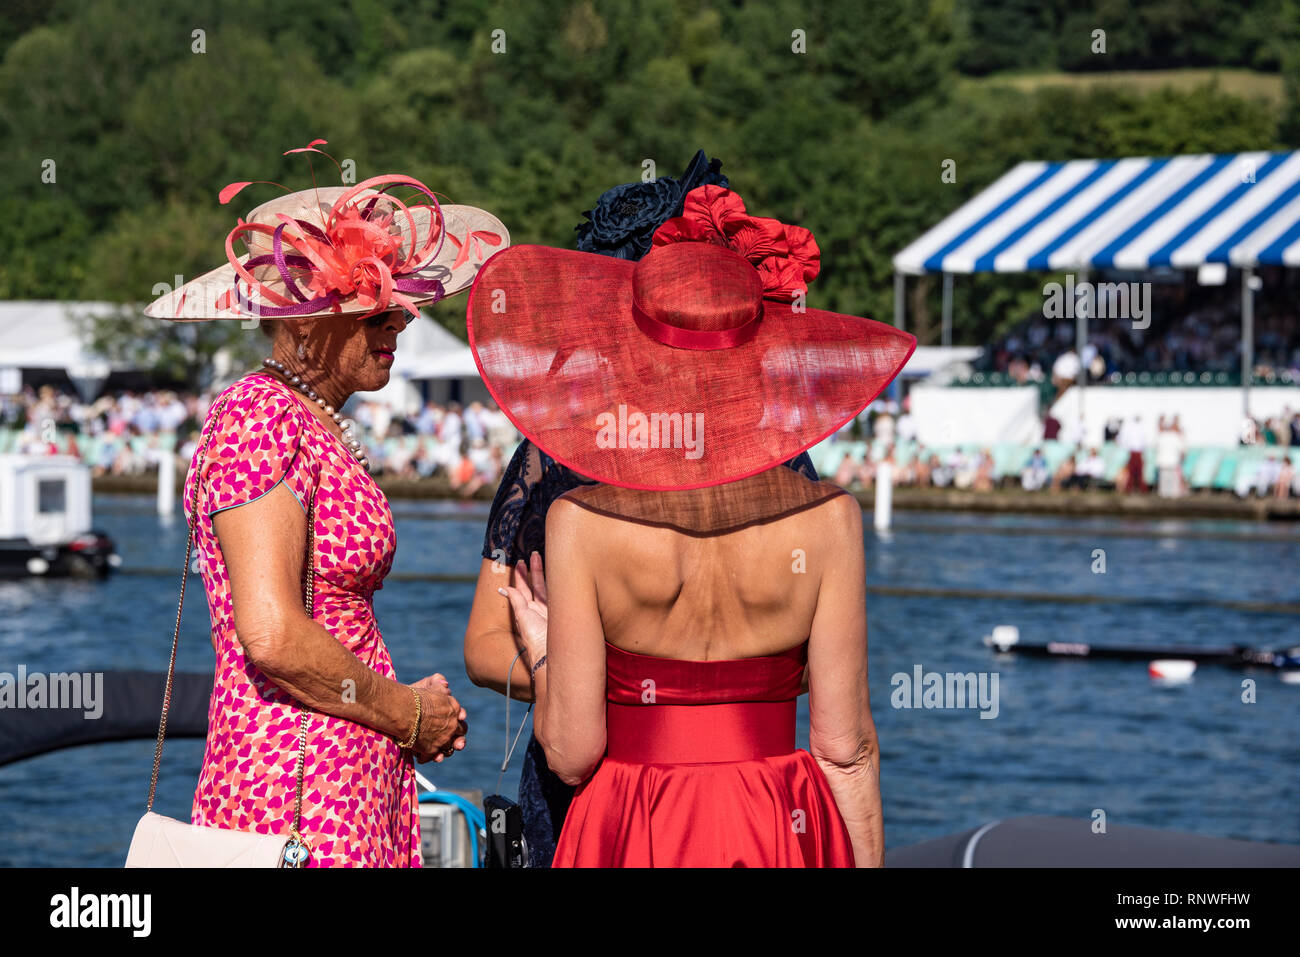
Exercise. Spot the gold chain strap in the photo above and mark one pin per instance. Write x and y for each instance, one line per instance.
(308, 603)
(180, 604)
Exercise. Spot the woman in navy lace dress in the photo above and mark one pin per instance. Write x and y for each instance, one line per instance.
(620, 225)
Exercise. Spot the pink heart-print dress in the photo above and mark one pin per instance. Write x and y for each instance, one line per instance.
(360, 803)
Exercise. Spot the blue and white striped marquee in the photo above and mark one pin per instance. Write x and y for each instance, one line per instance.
(1240, 209)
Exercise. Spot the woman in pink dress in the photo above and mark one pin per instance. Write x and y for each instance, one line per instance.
(333, 274)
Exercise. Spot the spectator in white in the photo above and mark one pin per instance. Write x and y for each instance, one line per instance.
(1065, 371)
(450, 432)
(964, 468)
(1034, 476)
(452, 428)
(906, 424)
(1092, 469)
(1133, 438)
(940, 474)
(381, 416)
(883, 427)
(1250, 432)
(501, 431)
(173, 413)
(427, 421)
(1267, 475)
(1169, 460)
(475, 427)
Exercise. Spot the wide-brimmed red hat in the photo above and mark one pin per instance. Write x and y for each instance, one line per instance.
(697, 365)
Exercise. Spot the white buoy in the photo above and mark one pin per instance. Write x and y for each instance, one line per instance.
(1004, 637)
(884, 496)
(166, 483)
(1172, 670)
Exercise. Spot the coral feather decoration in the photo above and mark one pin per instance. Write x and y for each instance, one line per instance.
(355, 254)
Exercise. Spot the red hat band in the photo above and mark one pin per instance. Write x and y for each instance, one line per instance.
(697, 296)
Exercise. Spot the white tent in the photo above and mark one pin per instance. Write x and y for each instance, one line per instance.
(40, 334)
(455, 363)
(927, 361)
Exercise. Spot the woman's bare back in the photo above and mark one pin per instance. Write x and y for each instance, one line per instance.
(708, 574)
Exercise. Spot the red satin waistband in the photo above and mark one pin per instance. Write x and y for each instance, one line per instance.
(698, 733)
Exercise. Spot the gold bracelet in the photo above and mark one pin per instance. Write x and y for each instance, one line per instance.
(415, 732)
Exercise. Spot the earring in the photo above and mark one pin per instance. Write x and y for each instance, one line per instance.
(302, 348)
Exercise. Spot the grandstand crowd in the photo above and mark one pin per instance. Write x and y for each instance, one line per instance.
(1192, 329)
(126, 433)
(1130, 459)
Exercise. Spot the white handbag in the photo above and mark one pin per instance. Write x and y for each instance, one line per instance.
(166, 842)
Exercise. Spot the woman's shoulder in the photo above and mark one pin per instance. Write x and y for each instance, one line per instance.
(254, 396)
(254, 433)
(260, 406)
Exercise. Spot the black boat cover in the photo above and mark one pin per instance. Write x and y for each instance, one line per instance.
(132, 701)
(1042, 841)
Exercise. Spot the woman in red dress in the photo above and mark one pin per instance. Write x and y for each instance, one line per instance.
(691, 596)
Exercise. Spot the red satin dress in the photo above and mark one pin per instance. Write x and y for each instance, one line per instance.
(701, 770)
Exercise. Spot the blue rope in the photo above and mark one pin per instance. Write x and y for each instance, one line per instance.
(474, 814)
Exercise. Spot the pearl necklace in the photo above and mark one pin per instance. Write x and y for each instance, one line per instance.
(351, 441)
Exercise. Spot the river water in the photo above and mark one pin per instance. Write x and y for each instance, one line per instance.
(1070, 737)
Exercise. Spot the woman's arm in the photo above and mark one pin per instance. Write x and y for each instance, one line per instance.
(569, 688)
(263, 543)
(490, 640)
(842, 734)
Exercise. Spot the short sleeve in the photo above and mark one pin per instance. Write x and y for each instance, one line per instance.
(255, 442)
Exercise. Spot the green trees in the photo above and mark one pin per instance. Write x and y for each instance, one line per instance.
(838, 115)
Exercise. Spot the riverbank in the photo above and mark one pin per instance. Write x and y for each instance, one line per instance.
(1000, 501)
(1113, 504)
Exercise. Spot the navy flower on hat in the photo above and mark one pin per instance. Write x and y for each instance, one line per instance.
(625, 217)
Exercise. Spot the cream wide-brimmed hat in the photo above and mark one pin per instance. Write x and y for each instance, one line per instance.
(340, 250)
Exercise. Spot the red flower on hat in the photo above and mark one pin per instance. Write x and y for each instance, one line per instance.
(786, 257)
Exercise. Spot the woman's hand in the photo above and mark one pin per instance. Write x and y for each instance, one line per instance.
(527, 598)
(442, 721)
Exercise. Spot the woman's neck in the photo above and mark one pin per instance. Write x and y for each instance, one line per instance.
(318, 381)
